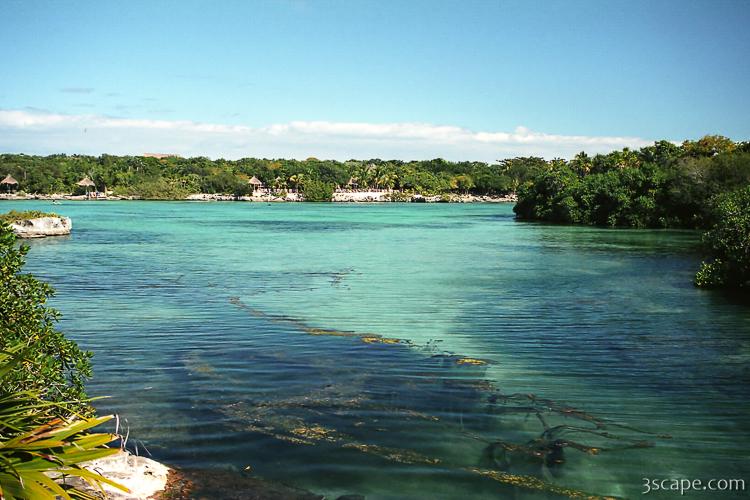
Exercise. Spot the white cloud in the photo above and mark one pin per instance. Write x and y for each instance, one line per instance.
(40, 132)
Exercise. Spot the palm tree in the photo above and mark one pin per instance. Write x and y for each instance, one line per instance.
(297, 179)
(387, 180)
(279, 184)
(367, 175)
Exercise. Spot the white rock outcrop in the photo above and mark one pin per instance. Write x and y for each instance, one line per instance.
(142, 476)
(42, 226)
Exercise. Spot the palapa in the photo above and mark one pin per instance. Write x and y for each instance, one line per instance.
(86, 182)
(9, 180)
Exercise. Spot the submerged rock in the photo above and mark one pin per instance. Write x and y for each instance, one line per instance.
(42, 226)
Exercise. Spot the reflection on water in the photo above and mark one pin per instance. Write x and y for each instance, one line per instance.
(402, 351)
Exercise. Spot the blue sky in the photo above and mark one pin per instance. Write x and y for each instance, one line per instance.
(471, 79)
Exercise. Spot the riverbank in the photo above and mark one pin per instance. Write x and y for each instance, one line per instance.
(338, 197)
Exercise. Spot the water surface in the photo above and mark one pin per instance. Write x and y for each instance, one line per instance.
(236, 334)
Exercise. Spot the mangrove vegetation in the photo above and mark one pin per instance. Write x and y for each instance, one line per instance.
(700, 184)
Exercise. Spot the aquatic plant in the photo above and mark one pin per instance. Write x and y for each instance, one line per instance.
(548, 449)
(521, 439)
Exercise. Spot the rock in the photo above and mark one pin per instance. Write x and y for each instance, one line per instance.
(142, 476)
(351, 497)
(42, 226)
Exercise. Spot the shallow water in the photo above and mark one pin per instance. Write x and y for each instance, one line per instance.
(235, 334)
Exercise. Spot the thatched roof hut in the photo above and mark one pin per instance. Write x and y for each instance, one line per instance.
(86, 182)
(9, 180)
(256, 183)
(352, 182)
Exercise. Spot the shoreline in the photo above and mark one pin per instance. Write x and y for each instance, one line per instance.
(338, 197)
(144, 477)
(149, 479)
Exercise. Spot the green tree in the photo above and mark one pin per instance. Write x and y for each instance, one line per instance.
(314, 190)
(297, 180)
(553, 195)
(463, 183)
(522, 169)
(709, 145)
(728, 243)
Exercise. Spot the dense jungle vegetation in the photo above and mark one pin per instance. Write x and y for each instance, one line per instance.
(175, 177)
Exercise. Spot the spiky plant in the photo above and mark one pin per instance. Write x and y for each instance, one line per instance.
(38, 450)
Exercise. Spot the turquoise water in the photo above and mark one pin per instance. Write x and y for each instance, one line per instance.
(233, 334)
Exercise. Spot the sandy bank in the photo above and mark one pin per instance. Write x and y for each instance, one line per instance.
(262, 197)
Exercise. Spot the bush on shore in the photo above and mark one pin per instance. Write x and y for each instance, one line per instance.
(314, 190)
(45, 417)
(702, 184)
(54, 366)
(728, 243)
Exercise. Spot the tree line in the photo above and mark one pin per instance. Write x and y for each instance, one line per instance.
(176, 177)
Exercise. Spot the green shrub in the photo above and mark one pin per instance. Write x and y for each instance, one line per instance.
(15, 216)
(156, 189)
(54, 367)
(314, 190)
(728, 243)
(398, 196)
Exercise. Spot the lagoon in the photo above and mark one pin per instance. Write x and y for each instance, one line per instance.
(389, 350)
